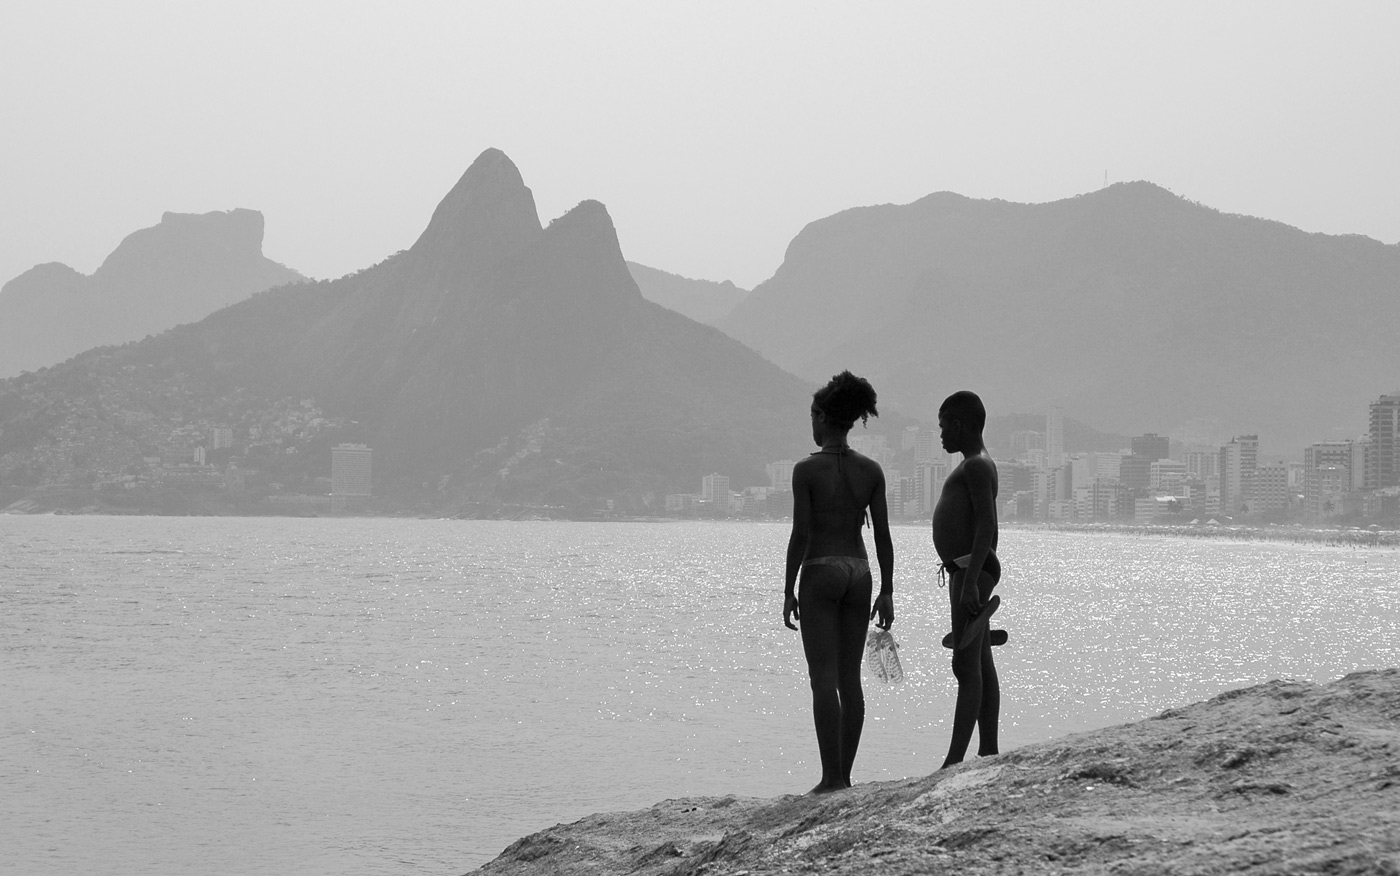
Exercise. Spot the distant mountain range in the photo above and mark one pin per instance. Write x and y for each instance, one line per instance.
(501, 361)
(179, 271)
(702, 300)
(495, 360)
(1129, 308)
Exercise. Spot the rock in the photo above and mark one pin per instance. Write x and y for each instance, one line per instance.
(1285, 777)
(182, 270)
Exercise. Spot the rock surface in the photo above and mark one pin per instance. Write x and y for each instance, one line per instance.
(1285, 777)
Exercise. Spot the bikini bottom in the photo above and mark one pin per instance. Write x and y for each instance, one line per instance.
(857, 580)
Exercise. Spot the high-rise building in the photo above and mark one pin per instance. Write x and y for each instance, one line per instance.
(1238, 461)
(1152, 446)
(1135, 472)
(1165, 474)
(928, 484)
(927, 446)
(1024, 441)
(1383, 454)
(1270, 488)
(870, 445)
(780, 475)
(1202, 463)
(221, 437)
(1054, 438)
(715, 488)
(1331, 469)
(351, 470)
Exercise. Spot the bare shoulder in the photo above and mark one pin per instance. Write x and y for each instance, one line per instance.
(980, 464)
(980, 472)
(869, 465)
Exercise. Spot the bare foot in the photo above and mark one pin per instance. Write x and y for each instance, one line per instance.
(828, 787)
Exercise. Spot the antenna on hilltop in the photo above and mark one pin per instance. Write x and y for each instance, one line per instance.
(1105, 178)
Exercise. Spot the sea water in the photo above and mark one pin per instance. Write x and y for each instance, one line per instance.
(386, 696)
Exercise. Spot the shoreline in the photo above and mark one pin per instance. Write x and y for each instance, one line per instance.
(1296, 533)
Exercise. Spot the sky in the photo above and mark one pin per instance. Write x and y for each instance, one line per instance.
(712, 131)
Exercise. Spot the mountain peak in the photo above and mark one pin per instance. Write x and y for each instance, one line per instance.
(490, 211)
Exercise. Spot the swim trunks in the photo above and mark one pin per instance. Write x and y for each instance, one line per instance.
(947, 569)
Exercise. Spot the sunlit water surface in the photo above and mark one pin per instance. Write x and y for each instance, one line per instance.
(345, 696)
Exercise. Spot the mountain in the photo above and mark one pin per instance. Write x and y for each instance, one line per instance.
(495, 360)
(701, 300)
(1130, 308)
(181, 270)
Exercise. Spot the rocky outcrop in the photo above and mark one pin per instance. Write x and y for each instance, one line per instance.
(179, 271)
(1285, 777)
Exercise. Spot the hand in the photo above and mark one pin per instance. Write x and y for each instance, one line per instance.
(971, 600)
(790, 612)
(884, 607)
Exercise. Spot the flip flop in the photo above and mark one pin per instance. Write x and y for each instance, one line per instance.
(882, 656)
(998, 638)
(978, 623)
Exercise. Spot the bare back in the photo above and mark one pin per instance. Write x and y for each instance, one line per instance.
(837, 488)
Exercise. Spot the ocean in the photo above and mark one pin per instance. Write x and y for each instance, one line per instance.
(390, 696)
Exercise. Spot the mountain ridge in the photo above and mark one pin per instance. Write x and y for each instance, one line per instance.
(494, 360)
(1129, 308)
(181, 270)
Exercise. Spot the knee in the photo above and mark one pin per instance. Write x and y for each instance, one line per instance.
(966, 665)
(850, 684)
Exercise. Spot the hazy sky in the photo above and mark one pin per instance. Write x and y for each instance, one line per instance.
(712, 131)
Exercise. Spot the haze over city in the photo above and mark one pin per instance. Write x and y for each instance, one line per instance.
(712, 132)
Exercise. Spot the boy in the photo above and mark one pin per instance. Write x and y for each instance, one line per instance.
(965, 536)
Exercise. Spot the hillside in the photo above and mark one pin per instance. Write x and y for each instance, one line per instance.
(494, 361)
(1130, 308)
(701, 300)
(1285, 777)
(179, 271)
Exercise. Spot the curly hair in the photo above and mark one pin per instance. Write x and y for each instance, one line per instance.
(846, 398)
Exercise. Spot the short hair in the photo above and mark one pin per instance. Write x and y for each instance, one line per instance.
(965, 407)
(846, 398)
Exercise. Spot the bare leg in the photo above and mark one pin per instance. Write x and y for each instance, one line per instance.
(979, 692)
(854, 624)
(967, 668)
(990, 712)
(820, 643)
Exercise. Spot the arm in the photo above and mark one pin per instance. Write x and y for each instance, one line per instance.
(797, 542)
(884, 553)
(981, 489)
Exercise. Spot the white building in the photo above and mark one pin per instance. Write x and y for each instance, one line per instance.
(780, 475)
(351, 470)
